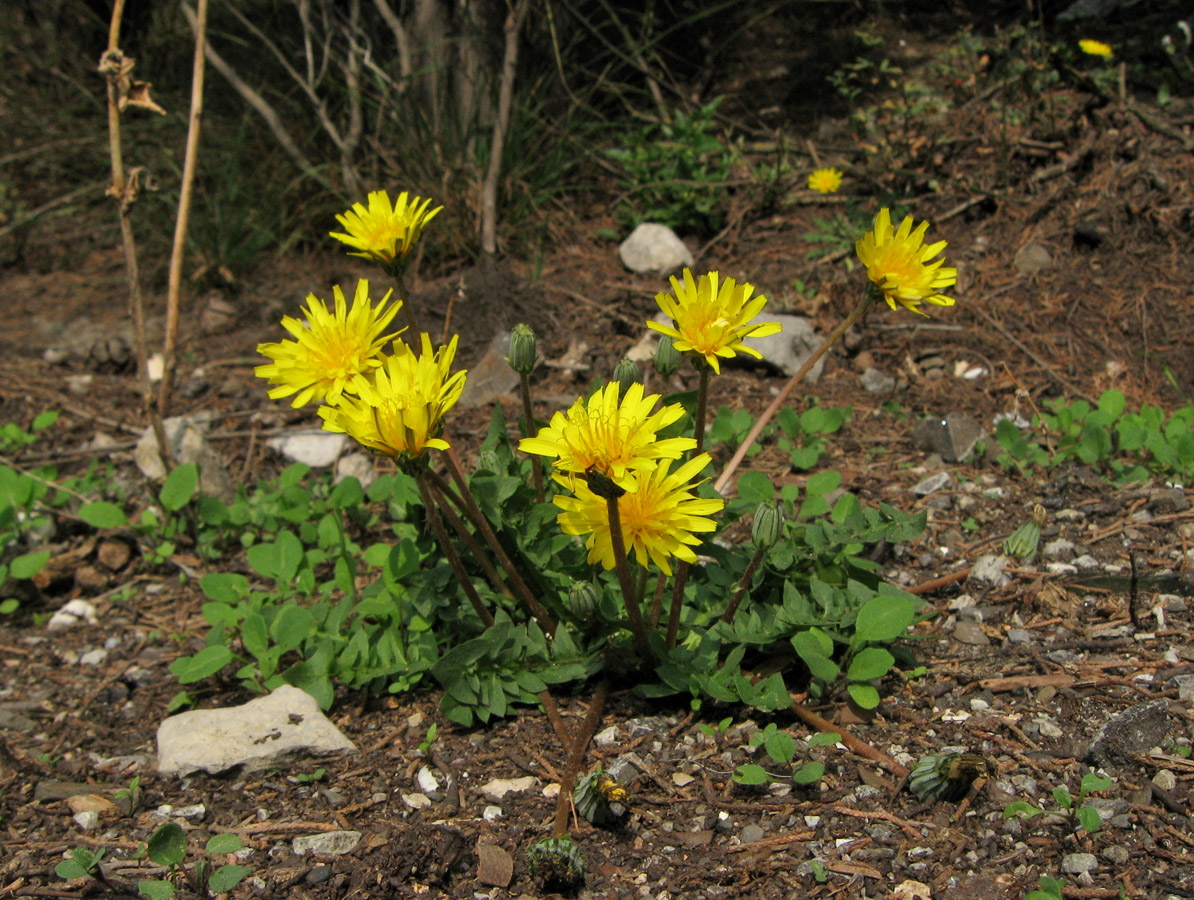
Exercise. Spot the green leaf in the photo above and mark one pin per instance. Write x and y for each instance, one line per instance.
(809, 772)
(1093, 781)
(810, 649)
(1089, 818)
(205, 663)
(822, 483)
(225, 878)
(780, 746)
(754, 487)
(751, 774)
(224, 843)
(825, 739)
(168, 845)
(872, 662)
(156, 890)
(1021, 808)
(291, 627)
(102, 514)
(1062, 798)
(180, 486)
(29, 564)
(225, 587)
(864, 695)
(883, 619)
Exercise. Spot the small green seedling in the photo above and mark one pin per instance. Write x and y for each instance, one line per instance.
(1074, 807)
(168, 847)
(1050, 889)
(131, 796)
(781, 747)
(426, 743)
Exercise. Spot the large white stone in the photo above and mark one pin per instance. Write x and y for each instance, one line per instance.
(654, 249)
(255, 735)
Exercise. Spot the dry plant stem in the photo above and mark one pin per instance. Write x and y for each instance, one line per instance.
(702, 407)
(556, 720)
(474, 548)
(412, 329)
(191, 155)
(786, 390)
(528, 429)
(445, 544)
(657, 603)
(474, 514)
(124, 192)
(673, 613)
(747, 577)
(489, 188)
(854, 744)
(633, 611)
(576, 757)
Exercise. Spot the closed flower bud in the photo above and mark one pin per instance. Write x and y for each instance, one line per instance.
(768, 526)
(523, 354)
(582, 600)
(667, 357)
(625, 374)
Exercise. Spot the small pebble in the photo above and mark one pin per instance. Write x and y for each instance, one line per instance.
(1078, 863)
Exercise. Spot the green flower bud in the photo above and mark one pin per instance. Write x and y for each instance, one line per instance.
(625, 374)
(523, 354)
(582, 600)
(667, 357)
(768, 526)
(557, 863)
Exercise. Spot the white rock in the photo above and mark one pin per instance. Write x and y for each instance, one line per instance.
(76, 612)
(426, 780)
(87, 820)
(257, 734)
(317, 449)
(500, 787)
(94, 657)
(185, 435)
(359, 466)
(606, 736)
(988, 571)
(332, 843)
(654, 249)
(492, 813)
(416, 800)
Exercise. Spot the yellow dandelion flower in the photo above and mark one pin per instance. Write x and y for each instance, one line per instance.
(711, 319)
(659, 518)
(333, 352)
(897, 263)
(614, 435)
(400, 411)
(825, 180)
(385, 233)
(1096, 48)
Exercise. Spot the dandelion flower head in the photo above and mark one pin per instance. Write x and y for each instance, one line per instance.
(711, 317)
(827, 181)
(659, 518)
(385, 233)
(616, 435)
(1096, 48)
(899, 264)
(332, 352)
(400, 411)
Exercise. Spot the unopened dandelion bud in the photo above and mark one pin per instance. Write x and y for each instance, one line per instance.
(768, 526)
(523, 352)
(582, 600)
(667, 357)
(625, 374)
(1023, 542)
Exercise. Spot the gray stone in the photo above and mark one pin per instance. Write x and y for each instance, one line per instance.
(357, 465)
(1059, 547)
(876, 381)
(94, 657)
(934, 482)
(319, 875)
(1019, 636)
(1130, 732)
(87, 820)
(970, 632)
(953, 438)
(987, 571)
(331, 843)
(653, 249)
(416, 800)
(1086, 562)
(1030, 259)
(256, 735)
(1115, 854)
(494, 865)
(1078, 863)
(751, 833)
(1168, 500)
(500, 787)
(314, 448)
(492, 377)
(185, 435)
(1165, 780)
(1185, 687)
(626, 768)
(789, 349)
(647, 725)
(606, 736)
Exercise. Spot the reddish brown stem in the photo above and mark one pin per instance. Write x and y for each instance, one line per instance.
(743, 585)
(445, 544)
(577, 756)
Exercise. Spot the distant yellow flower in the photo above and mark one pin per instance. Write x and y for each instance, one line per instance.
(385, 233)
(617, 437)
(711, 320)
(898, 264)
(659, 518)
(1096, 48)
(400, 411)
(825, 180)
(333, 351)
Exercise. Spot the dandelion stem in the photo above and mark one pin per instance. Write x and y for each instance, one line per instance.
(408, 311)
(673, 613)
(657, 603)
(765, 417)
(445, 544)
(528, 429)
(474, 548)
(473, 512)
(702, 406)
(576, 756)
(622, 564)
(743, 585)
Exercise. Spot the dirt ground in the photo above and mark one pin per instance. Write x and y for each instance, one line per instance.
(1025, 674)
